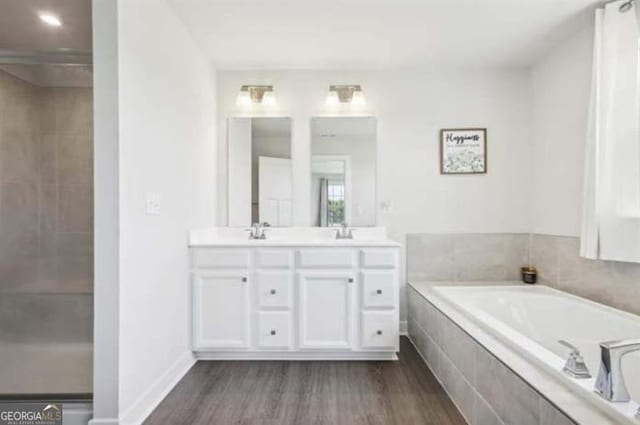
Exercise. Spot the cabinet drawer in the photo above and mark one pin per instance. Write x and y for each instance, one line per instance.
(379, 329)
(274, 329)
(379, 258)
(272, 258)
(274, 289)
(220, 258)
(378, 289)
(326, 258)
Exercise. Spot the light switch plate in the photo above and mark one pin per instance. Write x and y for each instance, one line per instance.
(153, 203)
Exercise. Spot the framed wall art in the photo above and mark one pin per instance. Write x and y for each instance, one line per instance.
(463, 151)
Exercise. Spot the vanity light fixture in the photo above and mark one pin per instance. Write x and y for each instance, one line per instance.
(256, 94)
(351, 94)
(50, 19)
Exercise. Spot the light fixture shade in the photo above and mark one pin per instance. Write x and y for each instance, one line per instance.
(332, 98)
(244, 98)
(269, 99)
(358, 99)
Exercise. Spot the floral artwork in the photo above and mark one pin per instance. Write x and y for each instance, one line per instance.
(463, 151)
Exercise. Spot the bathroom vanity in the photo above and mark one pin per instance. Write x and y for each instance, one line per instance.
(299, 294)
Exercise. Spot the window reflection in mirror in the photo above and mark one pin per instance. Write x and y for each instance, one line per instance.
(259, 171)
(343, 171)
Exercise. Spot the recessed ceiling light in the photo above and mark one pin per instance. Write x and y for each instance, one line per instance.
(50, 19)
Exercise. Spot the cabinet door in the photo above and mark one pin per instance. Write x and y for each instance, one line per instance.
(221, 310)
(326, 309)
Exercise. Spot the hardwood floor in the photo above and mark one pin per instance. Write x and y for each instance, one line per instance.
(304, 393)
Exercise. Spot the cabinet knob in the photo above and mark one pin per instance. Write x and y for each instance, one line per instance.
(244, 279)
(350, 280)
(379, 292)
(273, 331)
(379, 332)
(273, 292)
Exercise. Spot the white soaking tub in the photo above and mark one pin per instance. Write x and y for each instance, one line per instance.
(532, 319)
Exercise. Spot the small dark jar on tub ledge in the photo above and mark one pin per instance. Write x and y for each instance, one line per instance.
(529, 274)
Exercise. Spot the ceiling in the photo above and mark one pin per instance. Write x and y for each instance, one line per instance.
(21, 28)
(357, 34)
(22, 31)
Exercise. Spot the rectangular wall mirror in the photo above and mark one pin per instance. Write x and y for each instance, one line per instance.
(343, 171)
(259, 171)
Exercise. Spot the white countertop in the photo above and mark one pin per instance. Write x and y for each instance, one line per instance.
(290, 236)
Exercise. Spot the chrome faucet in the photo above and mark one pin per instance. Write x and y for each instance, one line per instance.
(344, 232)
(575, 365)
(258, 230)
(610, 383)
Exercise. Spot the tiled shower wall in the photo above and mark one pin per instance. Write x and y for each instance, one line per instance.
(46, 208)
(496, 257)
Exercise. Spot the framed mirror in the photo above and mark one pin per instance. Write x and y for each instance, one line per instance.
(343, 171)
(259, 171)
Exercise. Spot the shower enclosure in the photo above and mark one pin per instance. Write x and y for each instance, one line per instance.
(46, 226)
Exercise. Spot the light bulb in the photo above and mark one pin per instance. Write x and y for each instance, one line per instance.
(332, 99)
(244, 98)
(358, 99)
(268, 99)
(50, 19)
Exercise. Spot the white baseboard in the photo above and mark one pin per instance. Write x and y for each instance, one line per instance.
(108, 421)
(149, 400)
(298, 355)
(403, 328)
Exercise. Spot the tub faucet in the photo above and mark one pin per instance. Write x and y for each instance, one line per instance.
(610, 383)
(575, 365)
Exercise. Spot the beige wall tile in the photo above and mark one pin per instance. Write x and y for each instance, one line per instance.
(430, 257)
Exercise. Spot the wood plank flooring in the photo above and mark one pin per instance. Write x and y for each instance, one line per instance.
(309, 393)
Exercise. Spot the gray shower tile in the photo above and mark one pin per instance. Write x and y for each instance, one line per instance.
(75, 208)
(430, 257)
(19, 158)
(46, 317)
(483, 414)
(479, 257)
(511, 398)
(545, 257)
(549, 415)
(460, 348)
(516, 254)
(458, 388)
(74, 159)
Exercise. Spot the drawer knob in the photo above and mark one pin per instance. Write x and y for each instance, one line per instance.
(244, 279)
(273, 292)
(379, 292)
(350, 280)
(273, 331)
(379, 332)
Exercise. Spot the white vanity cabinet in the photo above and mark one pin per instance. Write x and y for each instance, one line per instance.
(295, 302)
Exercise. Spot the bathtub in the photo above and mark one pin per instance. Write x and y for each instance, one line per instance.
(531, 320)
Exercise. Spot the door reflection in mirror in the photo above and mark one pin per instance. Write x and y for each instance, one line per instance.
(343, 171)
(259, 173)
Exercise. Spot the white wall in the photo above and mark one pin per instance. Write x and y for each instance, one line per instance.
(411, 108)
(561, 88)
(166, 145)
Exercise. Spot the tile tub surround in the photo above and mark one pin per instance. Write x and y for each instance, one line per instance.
(46, 213)
(608, 282)
(466, 257)
(489, 383)
(498, 257)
